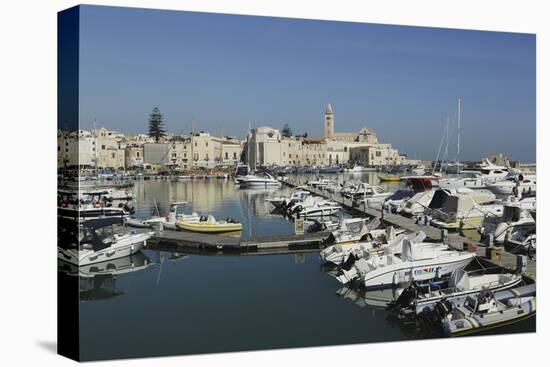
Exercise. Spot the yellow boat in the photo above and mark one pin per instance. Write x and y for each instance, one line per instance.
(389, 178)
(210, 225)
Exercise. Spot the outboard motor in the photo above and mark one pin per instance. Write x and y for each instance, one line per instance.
(406, 298)
(438, 313)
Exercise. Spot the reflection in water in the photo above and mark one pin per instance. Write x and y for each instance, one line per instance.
(206, 304)
(379, 298)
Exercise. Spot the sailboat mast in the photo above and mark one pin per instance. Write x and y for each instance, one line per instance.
(458, 141)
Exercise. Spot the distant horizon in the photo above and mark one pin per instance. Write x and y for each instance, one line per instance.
(228, 70)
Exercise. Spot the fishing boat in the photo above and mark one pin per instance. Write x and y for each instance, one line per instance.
(418, 298)
(209, 224)
(416, 262)
(486, 310)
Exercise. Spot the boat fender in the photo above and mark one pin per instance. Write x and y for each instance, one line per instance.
(438, 272)
(395, 279)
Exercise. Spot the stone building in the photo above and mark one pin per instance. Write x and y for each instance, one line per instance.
(267, 147)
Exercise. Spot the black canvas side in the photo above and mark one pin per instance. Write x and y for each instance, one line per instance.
(67, 123)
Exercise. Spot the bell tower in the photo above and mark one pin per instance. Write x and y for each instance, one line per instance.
(329, 122)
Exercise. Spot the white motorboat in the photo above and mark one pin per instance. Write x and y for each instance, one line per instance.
(363, 191)
(258, 181)
(172, 217)
(81, 206)
(417, 262)
(319, 210)
(512, 219)
(523, 183)
(97, 248)
(321, 183)
(488, 172)
(419, 170)
(315, 206)
(286, 201)
(358, 168)
(241, 171)
(339, 254)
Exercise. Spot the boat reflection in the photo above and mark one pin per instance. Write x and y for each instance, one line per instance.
(98, 281)
(379, 298)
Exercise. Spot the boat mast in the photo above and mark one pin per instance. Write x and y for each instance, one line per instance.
(458, 141)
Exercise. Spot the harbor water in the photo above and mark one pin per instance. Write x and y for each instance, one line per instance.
(161, 303)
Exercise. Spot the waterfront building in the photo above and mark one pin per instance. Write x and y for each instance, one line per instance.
(266, 147)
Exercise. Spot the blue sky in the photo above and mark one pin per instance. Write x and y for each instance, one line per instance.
(227, 70)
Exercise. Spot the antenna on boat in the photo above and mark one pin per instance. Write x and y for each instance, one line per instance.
(458, 141)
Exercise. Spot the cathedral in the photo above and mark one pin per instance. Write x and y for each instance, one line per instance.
(365, 135)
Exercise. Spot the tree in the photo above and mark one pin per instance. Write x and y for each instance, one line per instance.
(156, 128)
(286, 132)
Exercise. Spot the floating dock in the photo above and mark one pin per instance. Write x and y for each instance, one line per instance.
(181, 240)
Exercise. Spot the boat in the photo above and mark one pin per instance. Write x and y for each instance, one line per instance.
(380, 240)
(523, 183)
(418, 298)
(321, 183)
(84, 205)
(329, 169)
(241, 171)
(389, 178)
(338, 224)
(465, 210)
(358, 168)
(257, 181)
(314, 206)
(285, 201)
(172, 217)
(417, 262)
(419, 170)
(365, 191)
(94, 246)
(486, 310)
(208, 224)
(513, 219)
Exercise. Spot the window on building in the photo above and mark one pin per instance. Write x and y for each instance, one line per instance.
(184, 155)
(103, 147)
(206, 143)
(137, 154)
(112, 155)
(226, 155)
(234, 155)
(195, 143)
(378, 153)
